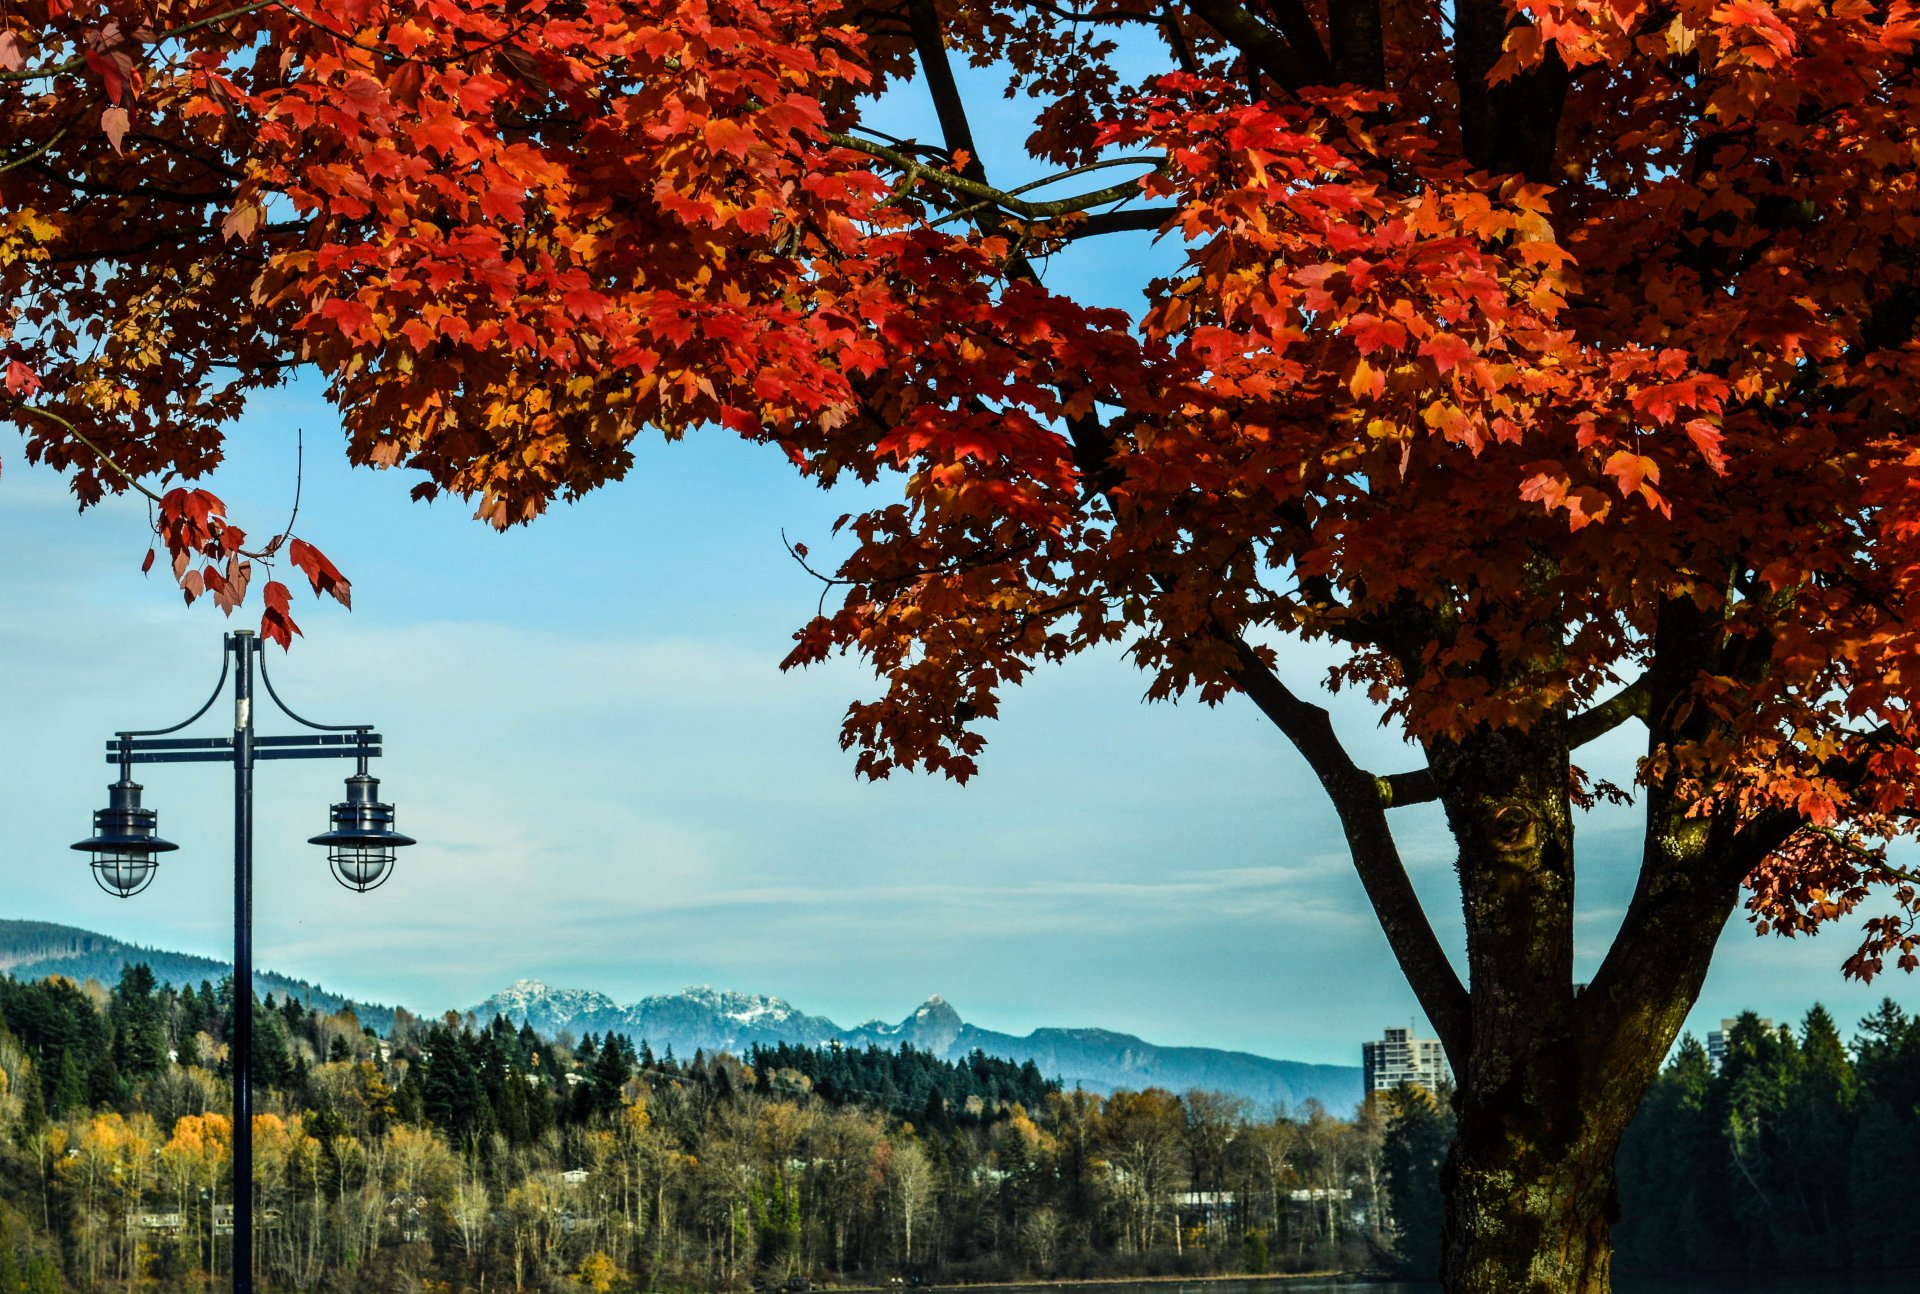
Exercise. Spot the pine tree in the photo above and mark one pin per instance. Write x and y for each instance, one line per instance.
(1817, 1131)
(608, 1078)
(1418, 1134)
(33, 1106)
(1881, 1226)
(138, 1018)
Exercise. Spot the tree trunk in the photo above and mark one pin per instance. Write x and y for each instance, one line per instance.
(1530, 1180)
(1530, 1195)
(1551, 1076)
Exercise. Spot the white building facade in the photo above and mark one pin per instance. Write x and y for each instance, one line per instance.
(1399, 1057)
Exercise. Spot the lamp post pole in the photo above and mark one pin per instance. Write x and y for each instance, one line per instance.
(360, 848)
(244, 647)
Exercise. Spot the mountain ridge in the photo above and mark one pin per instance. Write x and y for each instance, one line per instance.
(1101, 1060)
(701, 1017)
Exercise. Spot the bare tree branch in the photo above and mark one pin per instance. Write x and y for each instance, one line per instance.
(1398, 790)
(1357, 48)
(1629, 702)
(1356, 798)
(1264, 47)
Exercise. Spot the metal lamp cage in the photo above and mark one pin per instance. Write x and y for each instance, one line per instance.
(124, 841)
(360, 848)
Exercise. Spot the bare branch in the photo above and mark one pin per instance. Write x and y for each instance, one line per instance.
(1118, 221)
(1358, 51)
(24, 158)
(1264, 47)
(1398, 790)
(1005, 200)
(1629, 702)
(112, 464)
(1356, 798)
(1874, 859)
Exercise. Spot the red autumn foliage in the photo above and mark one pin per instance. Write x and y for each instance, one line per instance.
(1537, 352)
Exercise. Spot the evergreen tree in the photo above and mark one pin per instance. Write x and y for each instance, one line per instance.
(138, 1018)
(33, 1108)
(1672, 1171)
(608, 1078)
(105, 1087)
(1887, 1051)
(1818, 1137)
(1418, 1133)
(270, 1063)
(1880, 1227)
(69, 1093)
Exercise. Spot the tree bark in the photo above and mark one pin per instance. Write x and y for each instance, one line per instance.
(1530, 1195)
(1530, 1180)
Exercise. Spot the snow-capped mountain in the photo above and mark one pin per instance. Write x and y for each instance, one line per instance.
(933, 1027)
(1099, 1060)
(696, 1018)
(551, 1009)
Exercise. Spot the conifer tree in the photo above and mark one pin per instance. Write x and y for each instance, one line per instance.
(1419, 1130)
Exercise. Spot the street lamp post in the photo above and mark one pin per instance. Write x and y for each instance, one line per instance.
(360, 848)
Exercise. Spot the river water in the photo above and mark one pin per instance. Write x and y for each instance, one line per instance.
(1821, 1283)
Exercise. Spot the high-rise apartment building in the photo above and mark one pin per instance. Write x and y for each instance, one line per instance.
(1399, 1057)
(1717, 1039)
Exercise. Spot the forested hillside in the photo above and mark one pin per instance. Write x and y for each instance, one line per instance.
(460, 1154)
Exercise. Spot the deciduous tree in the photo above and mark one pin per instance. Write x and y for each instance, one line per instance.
(1553, 358)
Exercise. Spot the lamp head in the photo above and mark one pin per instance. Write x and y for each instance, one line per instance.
(124, 842)
(360, 846)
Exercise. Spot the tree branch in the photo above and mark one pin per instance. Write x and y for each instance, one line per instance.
(1265, 48)
(1397, 790)
(1113, 222)
(1115, 16)
(1006, 200)
(1691, 865)
(108, 460)
(1629, 702)
(25, 158)
(1356, 797)
(1296, 24)
(1359, 53)
(1511, 127)
(94, 188)
(75, 64)
(930, 43)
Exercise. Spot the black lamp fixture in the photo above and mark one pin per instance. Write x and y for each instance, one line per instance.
(360, 849)
(124, 841)
(360, 846)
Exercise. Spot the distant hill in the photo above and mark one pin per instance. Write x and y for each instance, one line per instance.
(36, 949)
(1099, 1060)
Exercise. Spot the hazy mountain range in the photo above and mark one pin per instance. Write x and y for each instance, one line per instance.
(712, 1020)
(1097, 1059)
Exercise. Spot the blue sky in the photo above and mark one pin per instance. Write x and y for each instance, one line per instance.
(615, 787)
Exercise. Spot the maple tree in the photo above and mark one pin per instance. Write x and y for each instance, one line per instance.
(1556, 358)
